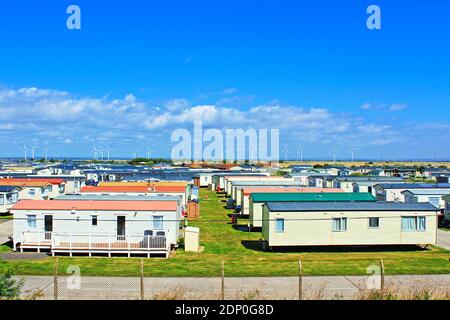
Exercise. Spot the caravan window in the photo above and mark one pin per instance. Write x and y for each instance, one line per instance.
(339, 224)
(31, 221)
(414, 223)
(279, 225)
(158, 222)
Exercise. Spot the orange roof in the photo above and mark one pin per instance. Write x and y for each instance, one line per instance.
(133, 189)
(95, 205)
(142, 184)
(248, 191)
(48, 180)
(31, 183)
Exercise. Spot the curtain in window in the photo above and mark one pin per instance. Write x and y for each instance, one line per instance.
(336, 224)
(421, 223)
(158, 222)
(344, 224)
(31, 221)
(408, 223)
(340, 224)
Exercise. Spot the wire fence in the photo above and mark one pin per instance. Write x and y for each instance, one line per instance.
(222, 287)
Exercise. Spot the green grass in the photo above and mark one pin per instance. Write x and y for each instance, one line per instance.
(6, 216)
(4, 248)
(242, 257)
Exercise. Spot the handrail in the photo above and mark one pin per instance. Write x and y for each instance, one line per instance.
(97, 241)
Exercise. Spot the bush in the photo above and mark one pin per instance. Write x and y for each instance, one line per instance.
(9, 288)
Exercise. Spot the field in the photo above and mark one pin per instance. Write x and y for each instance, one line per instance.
(242, 257)
(372, 163)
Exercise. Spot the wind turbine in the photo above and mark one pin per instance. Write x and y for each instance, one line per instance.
(46, 153)
(334, 152)
(25, 149)
(95, 152)
(32, 151)
(135, 154)
(149, 154)
(286, 152)
(300, 152)
(352, 152)
(108, 149)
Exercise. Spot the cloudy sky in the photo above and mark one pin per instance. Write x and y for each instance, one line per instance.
(136, 72)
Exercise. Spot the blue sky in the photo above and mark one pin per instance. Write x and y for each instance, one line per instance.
(137, 70)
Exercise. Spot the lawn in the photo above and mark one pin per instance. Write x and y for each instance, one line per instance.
(242, 256)
(7, 216)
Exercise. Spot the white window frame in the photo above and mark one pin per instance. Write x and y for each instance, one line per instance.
(30, 220)
(340, 224)
(276, 225)
(162, 222)
(416, 223)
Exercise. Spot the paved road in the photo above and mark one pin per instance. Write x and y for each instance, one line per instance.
(444, 239)
(6, 230)
(235, 288)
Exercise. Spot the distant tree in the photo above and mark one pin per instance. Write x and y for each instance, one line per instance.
(358, 174)
(10, 288)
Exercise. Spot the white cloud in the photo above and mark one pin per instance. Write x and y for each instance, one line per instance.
(60, 117)
(398, 106)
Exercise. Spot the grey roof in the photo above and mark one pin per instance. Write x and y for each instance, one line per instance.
(438, 192)
(117, 198)
(367, 178)
(414, 185)
(7, 189)
(348, 206)
(265, 183)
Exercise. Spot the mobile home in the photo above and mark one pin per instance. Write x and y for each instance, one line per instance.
(96, 226)
(348, 224)
(258, 200)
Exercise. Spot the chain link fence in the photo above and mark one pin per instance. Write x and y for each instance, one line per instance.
(300, 287)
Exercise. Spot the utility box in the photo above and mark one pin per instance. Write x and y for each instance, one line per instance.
(191, 239)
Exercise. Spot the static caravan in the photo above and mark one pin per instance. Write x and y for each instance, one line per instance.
(230, 180)
(96, 226)
(73, 183)
(30, 190)
(392, 192)
(447, 209)
(361, 183)
(219, 178)
(258, 200)
(9, 195)
(139, 191)
(348, 224)
(56, 186)
(435, 197)
(236, 187)
(247, 192)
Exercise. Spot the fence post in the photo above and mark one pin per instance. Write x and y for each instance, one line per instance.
(55, 279)
(300, 280)
(222, 291)
(382, 274)
(142, 280)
